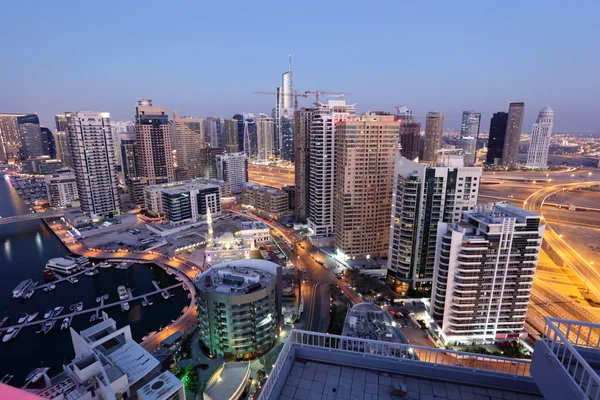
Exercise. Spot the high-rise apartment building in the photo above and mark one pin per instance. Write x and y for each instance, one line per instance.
(322, 167)
(9, 137)
(410, 139)
(424, 196)
(302, 128)
(512, 137)
(496, 138)
(265, 128)
(214, 132)
(153, 143)
(61, 188)
(63, 153)
(250, 135)
(230, 135)
(469, 133)
(92, 155)
(30, 134)
(537, 157)
(364, 167)
(284, 117)
(434, 128)
(233, 168)
(189, 142)
(484, 274)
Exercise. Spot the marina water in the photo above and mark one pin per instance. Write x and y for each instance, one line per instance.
(25, 247)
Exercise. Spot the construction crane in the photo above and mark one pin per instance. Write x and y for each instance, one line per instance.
(318, 92)
(295, 96)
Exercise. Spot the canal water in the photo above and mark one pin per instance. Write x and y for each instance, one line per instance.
(25, 248)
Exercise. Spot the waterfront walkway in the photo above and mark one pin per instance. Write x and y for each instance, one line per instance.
(31, 216)
(97, 309)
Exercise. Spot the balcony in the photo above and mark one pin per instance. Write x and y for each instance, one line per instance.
(343, 367)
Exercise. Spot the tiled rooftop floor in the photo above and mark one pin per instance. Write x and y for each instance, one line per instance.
(310, 380)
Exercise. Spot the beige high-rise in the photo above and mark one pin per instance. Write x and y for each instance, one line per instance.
(153, 147)
(364, 160)
(264, 134)
(189, 141)
(434, 125)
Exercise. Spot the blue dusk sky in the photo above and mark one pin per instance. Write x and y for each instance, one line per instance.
(207, 57)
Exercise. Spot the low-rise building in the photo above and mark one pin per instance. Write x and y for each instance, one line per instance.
(255, 233)
(77, 219)
(108, 364)
(189, 204)
(228, 382)
(239, 308)
(61, 188)
(227, 247)
(267, 201)
(41, 165)
(153, 198)
(166, 386)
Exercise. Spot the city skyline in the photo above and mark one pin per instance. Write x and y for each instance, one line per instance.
(223, 88)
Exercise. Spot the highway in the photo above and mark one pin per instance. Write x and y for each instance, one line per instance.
(571, 258)
(273, 176)
(31, 216)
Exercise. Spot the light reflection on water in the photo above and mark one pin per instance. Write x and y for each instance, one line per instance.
(7, 249)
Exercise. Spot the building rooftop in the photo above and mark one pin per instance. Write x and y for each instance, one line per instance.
(228, 381)
(313, 365)
(157, 388)
(237, 277)
(249, 225)
(369, 321)
(265, 189)
(184, 188)
(494, 213)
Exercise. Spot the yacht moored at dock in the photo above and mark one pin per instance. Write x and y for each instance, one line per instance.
(48, 313)
(65, 323)
(31, 317)
(123, 295)
(79, 306)
(23, 318)
(125, 307)
(48, 326)
(62, 265)
(57, 311)
(165, 295)
(10, 334)
(22, 288)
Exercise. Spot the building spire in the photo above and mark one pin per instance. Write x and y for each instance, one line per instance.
(290, 63)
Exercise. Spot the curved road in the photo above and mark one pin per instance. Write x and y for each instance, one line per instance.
(187, 320)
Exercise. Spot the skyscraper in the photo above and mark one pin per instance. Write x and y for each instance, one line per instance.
(213, 132)
(510, 153)
(189, 141)
(537, 157)
(9, 138)
(425, 195)
(410, 139)
(61, 122)
(48, 143)
(302, 126)
(404, 115)
(250, 134)
(92, 154)
(434, 126)
(496, 138)
(322, 167)
(30, 133)
(469, 132)
(63, 153)
(364, 167)
(484, 272)
(233, 168)
(284, 118)
(230, 135)
(239, 133)
(153, 143)
(265, 128)
(127, 154)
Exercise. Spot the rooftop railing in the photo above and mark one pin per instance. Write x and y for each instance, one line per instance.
(471, 362)
(567, 340)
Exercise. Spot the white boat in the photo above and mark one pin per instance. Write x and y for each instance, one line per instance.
(52, 286)
(10, 334)
(28, 294)
(23, 318)
(73, 280)
(48, 326)
(165, 295)
(104, 265)
(185, 288)
(93, 318)
(22, 288)
(57, 311)
(31, 317)
(36, 374)
(48, 313)
(123, 295)
(150, 302)
(6, 378)
(148, 335)
(62, 265)
(105, 296)
(144, 303)
(46, 289)
(90, 273)
(79, 306)
(178, 279)
(65, 323)
(98, 299)
(126, 306)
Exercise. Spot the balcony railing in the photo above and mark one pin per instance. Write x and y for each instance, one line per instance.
(389, 350)
(566, 340)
